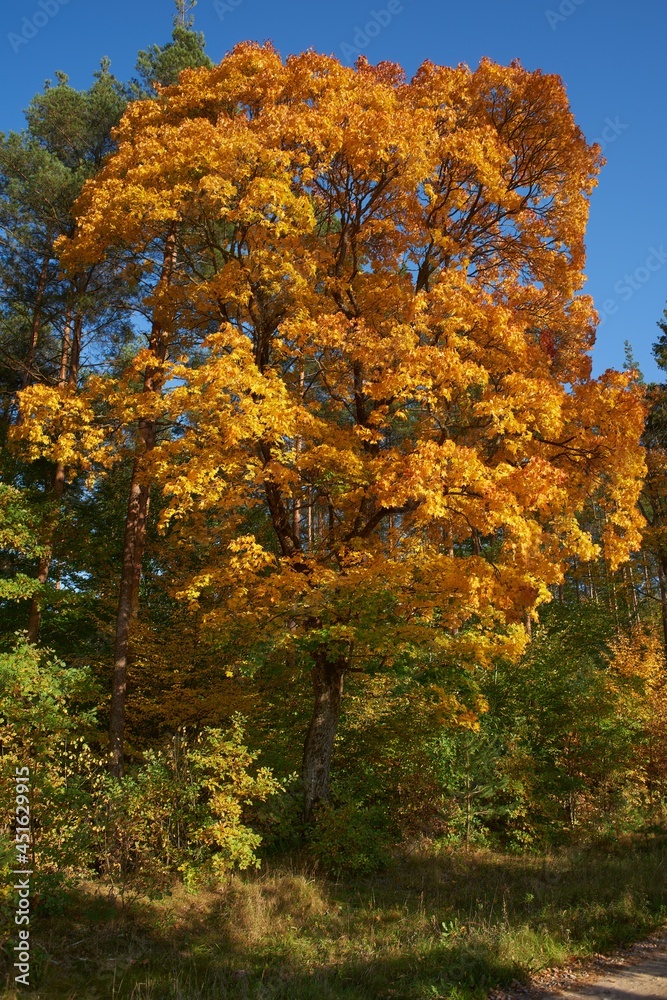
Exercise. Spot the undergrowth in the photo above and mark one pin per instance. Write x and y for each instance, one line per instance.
(432, 925)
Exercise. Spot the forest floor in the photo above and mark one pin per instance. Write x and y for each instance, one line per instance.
(455, 925)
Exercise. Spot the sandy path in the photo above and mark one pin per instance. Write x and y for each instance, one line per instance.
(646, 980)
(640, 973)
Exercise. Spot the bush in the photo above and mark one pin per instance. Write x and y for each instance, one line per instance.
(48, 711)
(179, 813)
(183, 811)
(348, 839)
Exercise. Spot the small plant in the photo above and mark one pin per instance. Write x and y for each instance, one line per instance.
(450, 929)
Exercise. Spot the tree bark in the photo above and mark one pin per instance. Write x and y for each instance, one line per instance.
(647, 578)
(37, 321)
(529, 625)
(662, 575)
(328, 680)
(69, 370)
(134, 539)
(594, 593)
(631, 594)
(128, 601)
(44, 567)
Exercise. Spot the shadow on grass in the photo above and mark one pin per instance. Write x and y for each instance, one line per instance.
(468, 971)
(451, 926)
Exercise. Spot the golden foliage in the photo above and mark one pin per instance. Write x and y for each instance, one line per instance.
(400, 382)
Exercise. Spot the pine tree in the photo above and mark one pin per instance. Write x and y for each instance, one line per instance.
(654, 495)
(44, 317)
(161, 65)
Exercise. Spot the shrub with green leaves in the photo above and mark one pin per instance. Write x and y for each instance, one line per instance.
(350, 839)
(181, 812)
(47, 721)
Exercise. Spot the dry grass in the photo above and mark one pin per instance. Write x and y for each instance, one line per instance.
(431, 927)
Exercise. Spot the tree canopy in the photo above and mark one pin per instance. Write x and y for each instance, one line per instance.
(368, 382)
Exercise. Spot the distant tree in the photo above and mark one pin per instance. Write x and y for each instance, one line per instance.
(183, 17)
(630, 363)
(161, 65)
(654, 495)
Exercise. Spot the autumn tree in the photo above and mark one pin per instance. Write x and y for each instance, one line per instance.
(388, 440)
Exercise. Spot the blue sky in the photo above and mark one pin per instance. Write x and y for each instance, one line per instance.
(609, 53)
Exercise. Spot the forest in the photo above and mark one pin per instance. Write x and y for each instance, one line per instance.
(333, 585)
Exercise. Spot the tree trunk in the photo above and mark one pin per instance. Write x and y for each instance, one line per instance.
(631, 594)
(594, 592)
(69, 370)
(128, 600)
(662, 573)
(647, 578)
(328, 690)
(134, 540)
(37, 321)
(35, 619)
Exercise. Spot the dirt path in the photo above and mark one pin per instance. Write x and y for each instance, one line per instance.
(644, 977)
(640, 973)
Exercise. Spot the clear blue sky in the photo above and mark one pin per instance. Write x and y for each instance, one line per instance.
(610, 53)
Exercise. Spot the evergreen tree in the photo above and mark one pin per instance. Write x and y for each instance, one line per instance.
(46, 319)
(161, 65)
(654, 495)
(630, 363)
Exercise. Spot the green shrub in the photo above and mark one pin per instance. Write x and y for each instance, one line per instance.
(349, 839)
(183, 811)
(180, 813)
(47, 715)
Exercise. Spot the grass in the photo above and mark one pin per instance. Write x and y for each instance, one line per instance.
(431, 927)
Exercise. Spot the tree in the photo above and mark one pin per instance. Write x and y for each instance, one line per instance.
(654, 495)
(183, 16)
(161, 65)
(157, 66)
(45, 319)
(389, 440)
(630, 364)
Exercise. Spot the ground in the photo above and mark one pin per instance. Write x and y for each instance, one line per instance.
(450, 924)
(636, 973)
